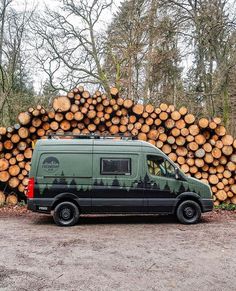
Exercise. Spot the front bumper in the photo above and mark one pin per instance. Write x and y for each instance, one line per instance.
(207, 205)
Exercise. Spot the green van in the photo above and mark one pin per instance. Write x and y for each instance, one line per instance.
(70, 177)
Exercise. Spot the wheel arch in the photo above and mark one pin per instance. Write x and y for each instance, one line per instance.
(188, 196)
(63, 197)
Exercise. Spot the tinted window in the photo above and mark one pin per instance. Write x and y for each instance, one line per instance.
(115, 166)
(158, 166)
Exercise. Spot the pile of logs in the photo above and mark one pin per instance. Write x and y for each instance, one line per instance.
(202, 148)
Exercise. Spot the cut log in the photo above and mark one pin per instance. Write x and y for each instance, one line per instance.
(180, 124)
(173, 157)
(183, 110)
(24, 118)
(78, 116)
(163, 116)
(23, 132)
(163, 107)
(14, 170)
(11, 199)
(3, 130)
(216, 153)
(233, 188)
(189, 118)
(227, 140)
(8, 145)
(4, 164)
(166, 149)
(13, 182)
(138, 109)
(194, 129)
(200, 139)
(203, 122)
(61, 104)
(175, 132)
(175, 115)
(220, 130)
(227, 150)
(213, 179)
(221, 195)
(200, 153)
(181, 151)
(28, 153)
(4, 176)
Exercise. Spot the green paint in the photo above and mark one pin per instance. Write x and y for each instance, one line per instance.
(75, 166)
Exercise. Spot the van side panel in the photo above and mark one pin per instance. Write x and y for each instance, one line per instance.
(117, 192)
(65, 172)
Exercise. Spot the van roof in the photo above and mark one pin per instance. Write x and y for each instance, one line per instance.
(105, 142)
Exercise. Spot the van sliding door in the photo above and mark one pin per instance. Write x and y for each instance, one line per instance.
(116, 186)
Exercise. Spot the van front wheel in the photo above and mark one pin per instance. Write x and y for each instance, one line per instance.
(66, 214)
(188, 212)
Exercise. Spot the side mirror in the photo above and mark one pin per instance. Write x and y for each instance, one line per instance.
(177, 174)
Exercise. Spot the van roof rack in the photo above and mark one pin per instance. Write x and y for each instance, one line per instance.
(90, 136)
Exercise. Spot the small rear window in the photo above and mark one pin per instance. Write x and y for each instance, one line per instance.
(115, 166)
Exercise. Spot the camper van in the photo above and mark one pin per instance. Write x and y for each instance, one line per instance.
(72, 177)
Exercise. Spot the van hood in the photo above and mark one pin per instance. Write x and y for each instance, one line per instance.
(201, 188)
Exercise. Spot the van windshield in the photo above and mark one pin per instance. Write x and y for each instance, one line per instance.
(159, 166)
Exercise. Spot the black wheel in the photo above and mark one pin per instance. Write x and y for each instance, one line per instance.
(188, 212)
(66, 214)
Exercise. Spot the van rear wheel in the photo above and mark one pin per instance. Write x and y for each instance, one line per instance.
(66, 214)
(188, 212)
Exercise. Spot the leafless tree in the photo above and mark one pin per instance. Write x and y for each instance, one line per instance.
(70, 43)
(13, 56)
(206, 26)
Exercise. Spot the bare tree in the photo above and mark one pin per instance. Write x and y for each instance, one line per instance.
(14, 59)
(206, 26)
(142, 39)
(71, 44)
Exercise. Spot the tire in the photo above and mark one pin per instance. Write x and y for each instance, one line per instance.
(66, 214)
(188, 212)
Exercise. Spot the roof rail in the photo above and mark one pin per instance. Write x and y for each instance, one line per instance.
(90, 136)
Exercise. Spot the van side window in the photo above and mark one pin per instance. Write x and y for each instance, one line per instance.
(115, 166)
(170, 169)
(158, 166)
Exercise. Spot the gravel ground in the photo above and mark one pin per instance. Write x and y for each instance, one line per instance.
(117, 253)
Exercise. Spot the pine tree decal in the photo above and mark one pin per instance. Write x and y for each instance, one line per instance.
(146, 181)
(73, 187)
(45, 191)
(140, 183)
(95, 182)
(181, 188)
(167, 188)
(62, 180)
(115, 182)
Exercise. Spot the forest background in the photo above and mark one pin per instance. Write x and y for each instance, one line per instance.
(181, 52)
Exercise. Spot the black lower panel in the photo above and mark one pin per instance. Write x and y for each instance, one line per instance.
(160, 205)
(117, 200)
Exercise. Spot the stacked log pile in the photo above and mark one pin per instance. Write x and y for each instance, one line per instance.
(202, 148)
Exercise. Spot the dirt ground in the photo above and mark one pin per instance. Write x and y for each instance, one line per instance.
(117, 253)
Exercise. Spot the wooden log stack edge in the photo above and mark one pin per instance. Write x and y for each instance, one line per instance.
(202, 148)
